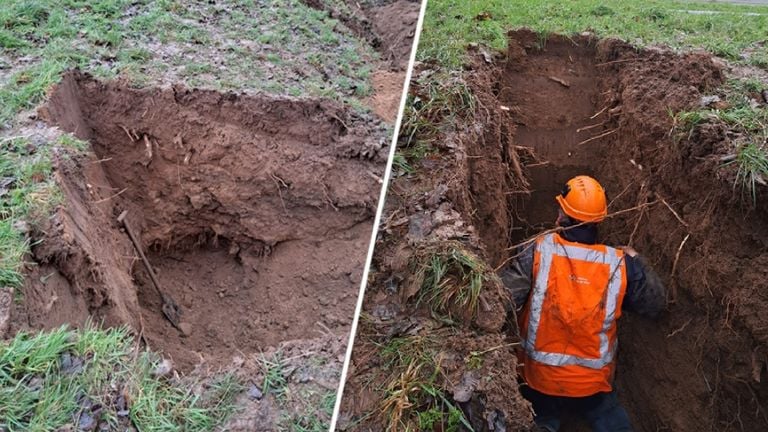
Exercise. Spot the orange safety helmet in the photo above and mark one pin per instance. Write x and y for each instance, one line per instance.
(583, 199)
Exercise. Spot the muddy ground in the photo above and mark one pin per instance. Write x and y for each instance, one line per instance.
(542, 113)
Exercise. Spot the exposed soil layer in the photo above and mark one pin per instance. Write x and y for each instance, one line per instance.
(387, 91)
(699, 367)
(565, 106)
(254, 211)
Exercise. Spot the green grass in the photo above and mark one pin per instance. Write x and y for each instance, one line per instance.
(117, 38)
(275, 381)
(451, 279)
(444, 414)
(307, 408)
(412, 398)
(399, 352)
(316, 415)
(400, 163)
(56, 36)
(443, 99)
(449, 25)
(751, 164)
(432, 107)
(28, 198)
(407, 157)
(49, 379)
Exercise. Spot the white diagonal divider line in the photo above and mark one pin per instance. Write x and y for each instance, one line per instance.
(377, 219)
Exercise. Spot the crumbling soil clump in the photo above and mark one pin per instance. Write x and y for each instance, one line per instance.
(550, 110)
(254, 211)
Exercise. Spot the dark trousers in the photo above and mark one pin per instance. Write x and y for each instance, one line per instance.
(601, 410)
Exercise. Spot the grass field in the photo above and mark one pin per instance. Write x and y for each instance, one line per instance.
(78, 379)
(449, 25)
(227, 45)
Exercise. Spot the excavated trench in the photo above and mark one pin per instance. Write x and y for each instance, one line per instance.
(255, 213)
(701, 366)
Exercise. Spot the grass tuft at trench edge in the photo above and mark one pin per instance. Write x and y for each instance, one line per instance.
(66, 378)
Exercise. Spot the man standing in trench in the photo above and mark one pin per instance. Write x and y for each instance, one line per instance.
(572, 291)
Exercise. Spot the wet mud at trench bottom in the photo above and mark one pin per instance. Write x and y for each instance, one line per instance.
(255, 212)
(702, 365)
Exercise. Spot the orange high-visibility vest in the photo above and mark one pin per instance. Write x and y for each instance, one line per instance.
(568, 326)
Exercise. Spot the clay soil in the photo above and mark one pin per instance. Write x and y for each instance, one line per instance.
(254, 211)
(702, 365)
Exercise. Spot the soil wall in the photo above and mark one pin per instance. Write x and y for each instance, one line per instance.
(544, 111)
(602, 108)
(250, 209)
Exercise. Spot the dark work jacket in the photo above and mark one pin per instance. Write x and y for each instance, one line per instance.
(645, 295)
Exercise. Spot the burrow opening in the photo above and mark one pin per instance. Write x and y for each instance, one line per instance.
(694, 369)
(255, 212)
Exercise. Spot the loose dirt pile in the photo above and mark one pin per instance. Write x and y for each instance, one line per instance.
(254, 211)
(552, 109)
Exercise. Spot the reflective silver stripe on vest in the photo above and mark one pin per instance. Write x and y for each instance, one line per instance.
(548, 249)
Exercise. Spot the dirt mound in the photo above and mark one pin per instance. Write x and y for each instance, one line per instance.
(562, 106)
(389, 26)
(250, 210)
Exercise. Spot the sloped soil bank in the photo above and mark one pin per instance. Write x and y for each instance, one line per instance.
(254, 211)
(548, 111)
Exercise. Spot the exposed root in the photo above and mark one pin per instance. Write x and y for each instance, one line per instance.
(674, 267)
(680, 329)
(560, 81)
(663, 201)
(111, 196)
(602, 135)
(582, 129)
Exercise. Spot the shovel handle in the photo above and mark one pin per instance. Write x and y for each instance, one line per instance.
(166, 300)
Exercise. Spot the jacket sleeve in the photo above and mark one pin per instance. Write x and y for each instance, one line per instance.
(646, 294)
(516, 276)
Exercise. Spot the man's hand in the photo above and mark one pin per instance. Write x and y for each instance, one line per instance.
(629, 250)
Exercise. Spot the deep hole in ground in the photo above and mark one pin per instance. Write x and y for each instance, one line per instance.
(701, 366)
(254, 211)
